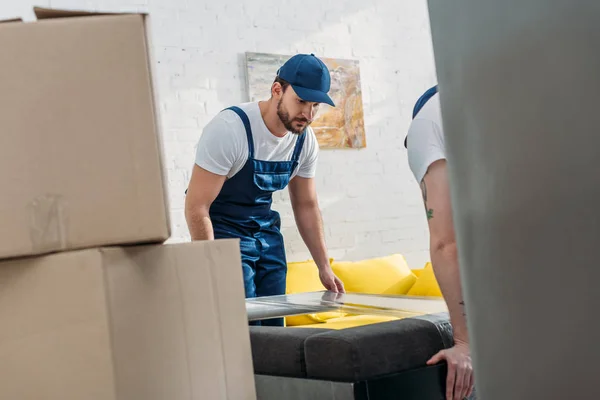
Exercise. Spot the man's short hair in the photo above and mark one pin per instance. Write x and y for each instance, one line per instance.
(284, 84)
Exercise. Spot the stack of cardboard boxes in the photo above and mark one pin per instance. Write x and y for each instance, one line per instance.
(93, 304)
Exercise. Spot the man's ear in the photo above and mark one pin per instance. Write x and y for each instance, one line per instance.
(276, 90)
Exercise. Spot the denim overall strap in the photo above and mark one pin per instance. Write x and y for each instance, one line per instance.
(424, 99)
(420, 103)
(299, 145)
(246, 122)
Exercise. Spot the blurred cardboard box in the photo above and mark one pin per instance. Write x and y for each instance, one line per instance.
(80, 150)
(150, 322)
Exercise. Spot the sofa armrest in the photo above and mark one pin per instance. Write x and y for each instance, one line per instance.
(375, 350)
(280, 351)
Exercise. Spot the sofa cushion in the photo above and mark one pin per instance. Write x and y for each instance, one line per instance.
(303, 277)
(280, 351)
(426, 284)
(388, 275)
(375, 350)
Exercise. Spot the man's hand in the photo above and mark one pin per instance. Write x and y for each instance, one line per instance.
(460, 381)
(330, 281)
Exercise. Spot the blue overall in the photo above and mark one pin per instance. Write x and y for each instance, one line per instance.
(243, 210)
(420, 103)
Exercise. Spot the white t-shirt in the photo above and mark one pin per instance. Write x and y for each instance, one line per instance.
(223, 145)
(425, 139)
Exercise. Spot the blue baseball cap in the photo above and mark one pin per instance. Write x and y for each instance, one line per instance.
(309, 77)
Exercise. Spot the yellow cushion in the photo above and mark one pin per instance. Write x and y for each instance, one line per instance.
(418, 272)
(304, 277)
(388, 275)
(426, 284)
(351, 321)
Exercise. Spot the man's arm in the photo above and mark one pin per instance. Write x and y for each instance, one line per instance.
(303, 195)
(203, 189)
(444, 258)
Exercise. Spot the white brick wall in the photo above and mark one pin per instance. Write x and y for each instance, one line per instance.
(371, 204)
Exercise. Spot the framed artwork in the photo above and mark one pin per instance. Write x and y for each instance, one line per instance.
(339, 127)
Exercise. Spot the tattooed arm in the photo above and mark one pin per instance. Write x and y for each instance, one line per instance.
(444, 258)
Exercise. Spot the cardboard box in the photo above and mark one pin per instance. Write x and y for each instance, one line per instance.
(150, 322)
(80, 151)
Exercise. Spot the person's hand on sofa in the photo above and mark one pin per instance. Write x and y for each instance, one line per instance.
(331, 281)
(459, 381)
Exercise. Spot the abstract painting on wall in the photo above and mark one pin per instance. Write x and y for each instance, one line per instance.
(339, 127)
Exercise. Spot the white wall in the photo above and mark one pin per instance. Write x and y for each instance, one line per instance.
(371, 204)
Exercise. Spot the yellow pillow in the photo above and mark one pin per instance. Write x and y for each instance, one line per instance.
(426, 284)
(388, 275)
(304, 277)
(418, 272)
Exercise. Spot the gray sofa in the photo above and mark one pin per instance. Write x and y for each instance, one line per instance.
(376, 362)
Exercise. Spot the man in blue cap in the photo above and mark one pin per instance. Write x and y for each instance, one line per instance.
(246, 153)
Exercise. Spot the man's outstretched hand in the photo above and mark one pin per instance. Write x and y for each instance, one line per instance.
(460, 381)
(330, 281)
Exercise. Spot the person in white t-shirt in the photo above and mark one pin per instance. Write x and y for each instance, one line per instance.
(246, 153)
(427, 160)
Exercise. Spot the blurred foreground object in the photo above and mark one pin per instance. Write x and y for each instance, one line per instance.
(519, 87)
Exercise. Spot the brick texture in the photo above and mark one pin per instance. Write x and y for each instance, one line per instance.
(370, 202)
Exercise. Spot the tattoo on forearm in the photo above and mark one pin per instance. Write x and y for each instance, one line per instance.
(429, 211)
(464, 313)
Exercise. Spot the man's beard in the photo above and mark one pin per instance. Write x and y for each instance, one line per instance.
(284, 116)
